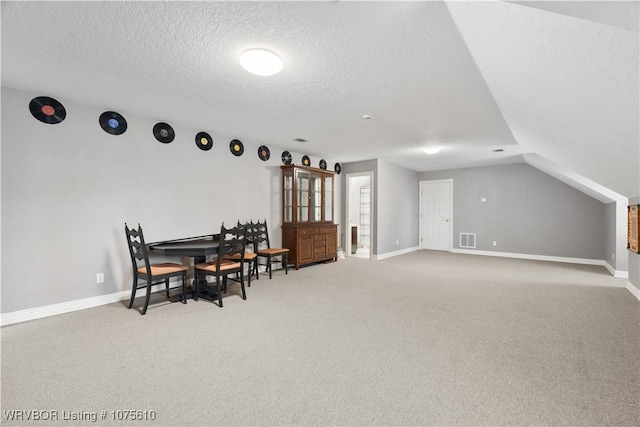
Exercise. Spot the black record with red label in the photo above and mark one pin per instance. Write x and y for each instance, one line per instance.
(163, 132)
(263, 153)
(204, 141)
(113, 123)
(47, 110)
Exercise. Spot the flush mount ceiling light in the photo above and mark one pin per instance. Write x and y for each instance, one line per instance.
(261, 62)
(431, 150)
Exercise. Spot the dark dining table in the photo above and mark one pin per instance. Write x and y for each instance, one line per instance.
(198, 248)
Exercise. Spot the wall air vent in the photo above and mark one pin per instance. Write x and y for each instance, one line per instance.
(468, 240)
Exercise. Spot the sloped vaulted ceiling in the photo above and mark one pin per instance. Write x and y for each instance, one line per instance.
(559, 80)
(565, 76)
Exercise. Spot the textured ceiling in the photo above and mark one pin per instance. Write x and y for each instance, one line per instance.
(559, 79)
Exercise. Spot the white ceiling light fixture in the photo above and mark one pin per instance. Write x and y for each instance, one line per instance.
(261, 62)
(431, 150)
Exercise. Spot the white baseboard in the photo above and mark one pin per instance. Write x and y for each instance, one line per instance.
(65, 307)
(396, 253)
(616, 273)
(586, 261)
(635, 291)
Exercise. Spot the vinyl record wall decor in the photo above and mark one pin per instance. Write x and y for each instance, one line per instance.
(50, 111)
(47, 110)
(236, 147)
(112, 123)
(163, 132)
(286, 158)
(263, 153)
(338, 168)
(204, 141)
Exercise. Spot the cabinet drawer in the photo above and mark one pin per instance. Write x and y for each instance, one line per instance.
(305, 232)
(327, 230)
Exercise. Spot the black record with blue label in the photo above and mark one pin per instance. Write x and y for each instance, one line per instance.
(112, 123)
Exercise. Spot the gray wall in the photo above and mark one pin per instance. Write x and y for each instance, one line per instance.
(526, 212)
(634, 259)
(610, 235)
(398, 212)
(394, 206)
(67, 190)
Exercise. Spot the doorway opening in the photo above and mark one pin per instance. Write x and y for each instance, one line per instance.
(359, 214)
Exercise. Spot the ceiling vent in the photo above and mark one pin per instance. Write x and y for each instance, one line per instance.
(499, 150)
(300, 140)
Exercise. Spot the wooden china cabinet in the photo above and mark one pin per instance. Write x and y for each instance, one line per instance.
(308, 230)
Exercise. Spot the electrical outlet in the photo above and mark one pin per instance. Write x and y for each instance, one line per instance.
(495, 243)
(397, 242)
(100, 278)
(613, 256)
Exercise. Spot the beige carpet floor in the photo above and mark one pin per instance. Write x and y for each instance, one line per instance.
(427, 338)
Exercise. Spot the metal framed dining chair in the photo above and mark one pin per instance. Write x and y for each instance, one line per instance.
(262, 247)
(230, 261)
(151, 274)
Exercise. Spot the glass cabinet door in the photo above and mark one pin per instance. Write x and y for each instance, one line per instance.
(302, 184)
(287, 201)
(316, 198)
(328, 198)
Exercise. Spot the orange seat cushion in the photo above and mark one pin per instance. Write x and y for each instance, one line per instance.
(272, 251)
(164, 268)
(247, 256)
(224, 265)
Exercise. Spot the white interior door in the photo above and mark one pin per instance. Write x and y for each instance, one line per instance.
(435, 215)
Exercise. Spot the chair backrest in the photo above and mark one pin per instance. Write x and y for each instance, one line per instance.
(249, 233)
(260, 235)
(137, 247)
(232, 242)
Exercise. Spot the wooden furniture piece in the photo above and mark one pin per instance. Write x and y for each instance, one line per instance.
(152, 274)
(262, 247)
(308, 230)
(250, 256)
(633, 228)
(231, 245)
(354, 239)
